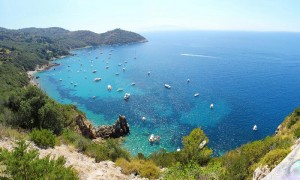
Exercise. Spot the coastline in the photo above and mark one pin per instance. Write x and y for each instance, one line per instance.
(30, 74)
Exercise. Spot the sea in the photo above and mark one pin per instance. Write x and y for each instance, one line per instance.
(251, 78)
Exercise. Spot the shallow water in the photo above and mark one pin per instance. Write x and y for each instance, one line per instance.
(252, 78)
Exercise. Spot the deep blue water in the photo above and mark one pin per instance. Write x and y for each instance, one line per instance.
(251, 77)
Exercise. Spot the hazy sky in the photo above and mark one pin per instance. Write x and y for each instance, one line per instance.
(141, 15)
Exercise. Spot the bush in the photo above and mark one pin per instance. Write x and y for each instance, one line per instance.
(274, 157)
(23, 164)
(144, 168)
(297, 133)
(42, 138)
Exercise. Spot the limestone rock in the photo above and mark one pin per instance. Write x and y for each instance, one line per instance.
(120, 128)
(260, 173)
(85, 127)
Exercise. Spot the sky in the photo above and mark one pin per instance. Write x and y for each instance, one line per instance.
(151, 15)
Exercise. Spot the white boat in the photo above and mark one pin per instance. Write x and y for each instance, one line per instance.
(149, 73)
(178, 149)
(123, 69)
(211, 106)
(75, 85)
(109, 87)
(125, 62)
(94, 97)
(120, 64)
(133, 84)
(202, 144)
(167, 86)
(60, 79)
(106, 67)
(143, 118)
(94, 71)
(119, 89)
(126, 96)
(97, 79)
(254, 128)
(196, 95)
(151, 138)
(71, 82)
(188, 80)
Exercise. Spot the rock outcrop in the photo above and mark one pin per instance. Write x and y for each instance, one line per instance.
(260, 173)
(120, 128)
(85, 127)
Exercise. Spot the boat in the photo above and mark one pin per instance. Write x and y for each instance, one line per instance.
(97, 79)
(167, 86)
(75, 85)
(119, 89)
(254, 128)
(106, 67)
(143, 118)
(151, 138)
(202, 144)
(149, 73)
(133, 84)
(120, 64)
(188, 80)
(154, 138)
(196, 95)
(71, 82)
(211, 106)
(126, 96)
(94, 71)
(178, 149)
(109, 87)
(94, 97)
(123, 69)
(60, 79)
(125, 62)
(116, 74)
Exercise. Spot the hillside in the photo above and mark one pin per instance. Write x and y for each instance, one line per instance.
(29, 47)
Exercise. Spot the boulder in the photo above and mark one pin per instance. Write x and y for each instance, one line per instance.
(120, 128)
(260, 173)
(85, 127)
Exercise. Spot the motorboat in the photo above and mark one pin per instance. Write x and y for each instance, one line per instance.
(126, 96)
(167, 86)
(120, 64)
(94, 71)
(196, 95)
(149, 73)
(143, 118)
(133, 84)
(211, 106)
(60, 79)
(116, 74)
(153, 138)
(106, 67)
(119, 89)
(109, 87)
(97, 79)
(125, 62)
(123, 69)
(254, 128)
(188, 80)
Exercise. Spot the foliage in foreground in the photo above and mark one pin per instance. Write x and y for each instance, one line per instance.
(23, 164)
(109, 149)
(42, 138)
(144, 168)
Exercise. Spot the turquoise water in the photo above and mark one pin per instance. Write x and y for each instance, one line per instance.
(251, 78)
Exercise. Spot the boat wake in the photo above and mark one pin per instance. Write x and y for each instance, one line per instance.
(199, 55)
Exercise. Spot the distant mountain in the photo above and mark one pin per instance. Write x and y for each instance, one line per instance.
(29, 47)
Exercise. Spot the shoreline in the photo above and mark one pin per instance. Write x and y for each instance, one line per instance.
(39, 68)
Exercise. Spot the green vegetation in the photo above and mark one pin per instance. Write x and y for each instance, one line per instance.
(145, 168)
(23, 164)
(109, 149)
(42, 138)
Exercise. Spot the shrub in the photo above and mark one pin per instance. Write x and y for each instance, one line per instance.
(144, 168)
(297, 133)
(23, 164)
(42, 138)
(274, 157)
